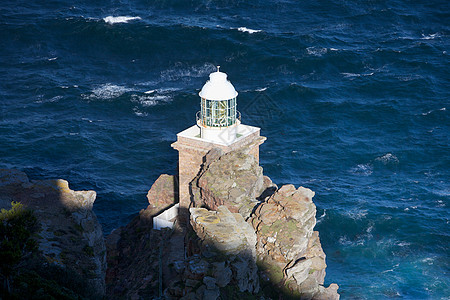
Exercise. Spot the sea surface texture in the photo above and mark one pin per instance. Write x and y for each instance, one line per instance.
(353, 97)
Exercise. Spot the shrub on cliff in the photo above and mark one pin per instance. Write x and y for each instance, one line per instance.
(17, 227)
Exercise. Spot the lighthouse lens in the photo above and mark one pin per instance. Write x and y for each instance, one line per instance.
(218, 113)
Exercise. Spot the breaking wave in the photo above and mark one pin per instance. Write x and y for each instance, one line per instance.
(120, 19)
(248, 30)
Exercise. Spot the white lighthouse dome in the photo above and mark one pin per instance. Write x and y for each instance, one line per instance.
(218, 87)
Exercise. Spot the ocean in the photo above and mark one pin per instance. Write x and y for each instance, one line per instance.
(353, 97)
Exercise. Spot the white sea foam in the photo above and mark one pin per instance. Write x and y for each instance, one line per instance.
(120, 19)
(248, 30)
(388, 158)
(53, 58)
(428, 260)
(106, 91)
(431, 111)
(350, 75)
(320, 218)
(356, 214)
(86, 119)
(403, 244)
(53, 99)
(391, 270)
(139, 113)
(409, 208)
(315, 51)
(343, 240)
(362, 169)
(150, 100)
(261, 89)
(430, 36)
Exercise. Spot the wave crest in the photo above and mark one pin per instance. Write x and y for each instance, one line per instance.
(248, 30)
(120, 19)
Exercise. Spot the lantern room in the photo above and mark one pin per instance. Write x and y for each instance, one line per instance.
(218, 118)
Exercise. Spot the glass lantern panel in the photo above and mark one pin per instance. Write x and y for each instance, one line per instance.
(218, 113)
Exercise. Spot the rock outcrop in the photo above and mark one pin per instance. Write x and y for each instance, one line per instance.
(289, 251)
(226, 235)
(163, 193)
(234, 180)
(70, 235)
(247, 238)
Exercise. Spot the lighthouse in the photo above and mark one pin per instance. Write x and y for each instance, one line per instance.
(218, 118)
(218, 125)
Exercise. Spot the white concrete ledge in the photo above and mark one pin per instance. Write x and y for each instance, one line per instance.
(166, 218)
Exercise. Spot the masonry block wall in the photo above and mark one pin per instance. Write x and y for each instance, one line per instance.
(191, 153)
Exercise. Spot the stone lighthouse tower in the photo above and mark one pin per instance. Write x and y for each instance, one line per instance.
(218, 125)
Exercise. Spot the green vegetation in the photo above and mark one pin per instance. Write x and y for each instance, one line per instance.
(25, 273)
(17, 226)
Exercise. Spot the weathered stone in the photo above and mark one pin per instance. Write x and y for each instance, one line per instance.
(285, 238)
(245, 273)
(300, 270)
(191, 282)
(211, 294)
(210, 282)
(222, 274)
(234, 180)
(226, 231)
(70, 236)
(198, 267)
(230, 236)
(12, 177)
(329, 293)
(162, 194)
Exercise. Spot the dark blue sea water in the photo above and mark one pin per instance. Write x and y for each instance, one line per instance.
(353, 97)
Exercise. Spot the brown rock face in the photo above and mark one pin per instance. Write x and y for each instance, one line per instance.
(226, 235)
(288, 249)
(234, 180)
(162, 194)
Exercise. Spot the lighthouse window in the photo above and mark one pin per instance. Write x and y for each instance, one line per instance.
(218, 113)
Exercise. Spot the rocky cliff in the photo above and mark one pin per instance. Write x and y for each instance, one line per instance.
(281, 240)
(69, 239)
(246, 238)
